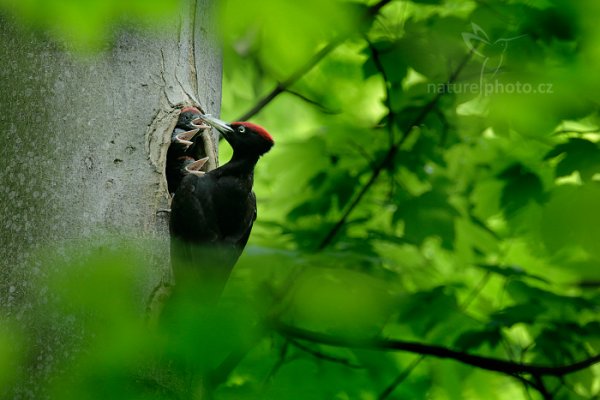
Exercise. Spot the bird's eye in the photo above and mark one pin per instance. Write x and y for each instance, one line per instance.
(242, 129)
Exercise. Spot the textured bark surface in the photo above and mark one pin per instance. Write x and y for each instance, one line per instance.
(83, 145)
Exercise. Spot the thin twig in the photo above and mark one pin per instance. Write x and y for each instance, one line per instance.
(541, 387)
(487, 363)
(400, 378)
(323, 356)
(391, 116)
(526, 383)
(389, 157)
(406, 372)
(294, 77)
(283, 352)
(476, 291)
(221, 373)
(324, 109)
(362, 152)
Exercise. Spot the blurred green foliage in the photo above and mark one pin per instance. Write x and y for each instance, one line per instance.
(477, 230)
(11, 352)
(87, 25)
(481, 229)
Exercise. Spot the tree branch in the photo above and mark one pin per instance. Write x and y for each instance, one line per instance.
(487, 363)
(303, 70)
(315, 103)
(283, 352)
(391, 116)
(323, 356)
(541, 387)
(389, 157)
(527, 384)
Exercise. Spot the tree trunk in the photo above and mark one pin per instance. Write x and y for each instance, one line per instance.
(83, 146)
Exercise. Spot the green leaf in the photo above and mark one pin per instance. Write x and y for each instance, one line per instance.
(428, 215)
(577, 155)
(385, 58)
(559, 343)
(432, 45)
(570, 219)
(422, 311)
(527, 313)
(521, 187)
(328, 190)
(475, 339)
(552, 23)
(522, 292)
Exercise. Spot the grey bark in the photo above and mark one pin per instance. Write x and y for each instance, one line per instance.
(83, 146)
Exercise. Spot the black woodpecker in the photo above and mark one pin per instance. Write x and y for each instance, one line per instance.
(212, 214)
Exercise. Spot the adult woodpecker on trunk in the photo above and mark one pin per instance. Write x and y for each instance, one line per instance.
(183, 153)
(212, 214)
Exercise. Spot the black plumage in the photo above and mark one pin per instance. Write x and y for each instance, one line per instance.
(212, 215)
